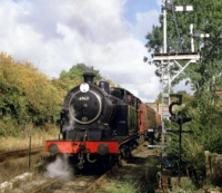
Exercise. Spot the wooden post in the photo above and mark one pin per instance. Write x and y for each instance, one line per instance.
(180, 152)
(207, 164)
(30, 145)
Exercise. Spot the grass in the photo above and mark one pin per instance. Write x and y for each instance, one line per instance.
(120, 187)
(22, 141)
(186, 186)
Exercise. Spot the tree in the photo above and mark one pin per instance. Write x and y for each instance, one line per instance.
(71, 78)
(205, 75)
(26, 94)
(207, 19)
(205, 106)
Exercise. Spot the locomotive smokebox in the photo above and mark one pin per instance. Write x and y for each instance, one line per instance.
(89, 77)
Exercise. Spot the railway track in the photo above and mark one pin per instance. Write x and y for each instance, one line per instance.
(91, 184)
(37, 183)
(84, 183)
(18, 153)
(79, 184)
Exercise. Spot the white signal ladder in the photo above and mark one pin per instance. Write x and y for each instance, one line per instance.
(165, 98)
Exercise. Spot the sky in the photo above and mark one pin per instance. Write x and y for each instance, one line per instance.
(109, 35)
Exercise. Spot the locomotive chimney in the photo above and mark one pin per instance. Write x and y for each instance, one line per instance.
(88, 77)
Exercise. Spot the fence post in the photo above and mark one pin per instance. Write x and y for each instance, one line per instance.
(30, 145)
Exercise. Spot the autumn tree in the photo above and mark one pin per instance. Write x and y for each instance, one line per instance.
(26, 94)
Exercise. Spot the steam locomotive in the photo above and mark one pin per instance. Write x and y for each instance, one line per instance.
(99, 123)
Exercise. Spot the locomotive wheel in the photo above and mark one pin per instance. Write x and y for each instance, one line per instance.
(128, 153)
(135, 145)
(45, 160)
(107, 162)
(120, 161)
(76, 170)
(112, 160)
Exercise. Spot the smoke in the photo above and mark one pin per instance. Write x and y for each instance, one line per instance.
(68, 118)
(60, 168)
(71, 125)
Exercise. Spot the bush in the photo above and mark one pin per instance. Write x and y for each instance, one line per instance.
(27, 95)
(9, 127)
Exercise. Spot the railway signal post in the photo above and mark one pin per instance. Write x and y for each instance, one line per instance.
(167, 60)
(179, 118)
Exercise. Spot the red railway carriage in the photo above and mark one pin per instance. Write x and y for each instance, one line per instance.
(158, 120)
(149, 120)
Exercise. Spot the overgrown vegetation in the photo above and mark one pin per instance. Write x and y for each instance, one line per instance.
(186, 184)
(30, 97)
(205, 78)
(121, 187)
(21, 140)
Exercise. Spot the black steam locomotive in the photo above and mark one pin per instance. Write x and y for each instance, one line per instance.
(97, 122)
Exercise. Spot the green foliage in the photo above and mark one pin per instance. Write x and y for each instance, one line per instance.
(206, 131)
(28, 96)
(206, 18)
(186, 186)
(121, 187)
(8, 125)
(72, 77)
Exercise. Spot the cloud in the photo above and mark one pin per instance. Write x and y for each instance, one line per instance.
(146, 21)
(54, 36)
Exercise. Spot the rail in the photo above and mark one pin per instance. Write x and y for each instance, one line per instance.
(18, 153)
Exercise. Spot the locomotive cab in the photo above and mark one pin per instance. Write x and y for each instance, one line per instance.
(126, 117)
